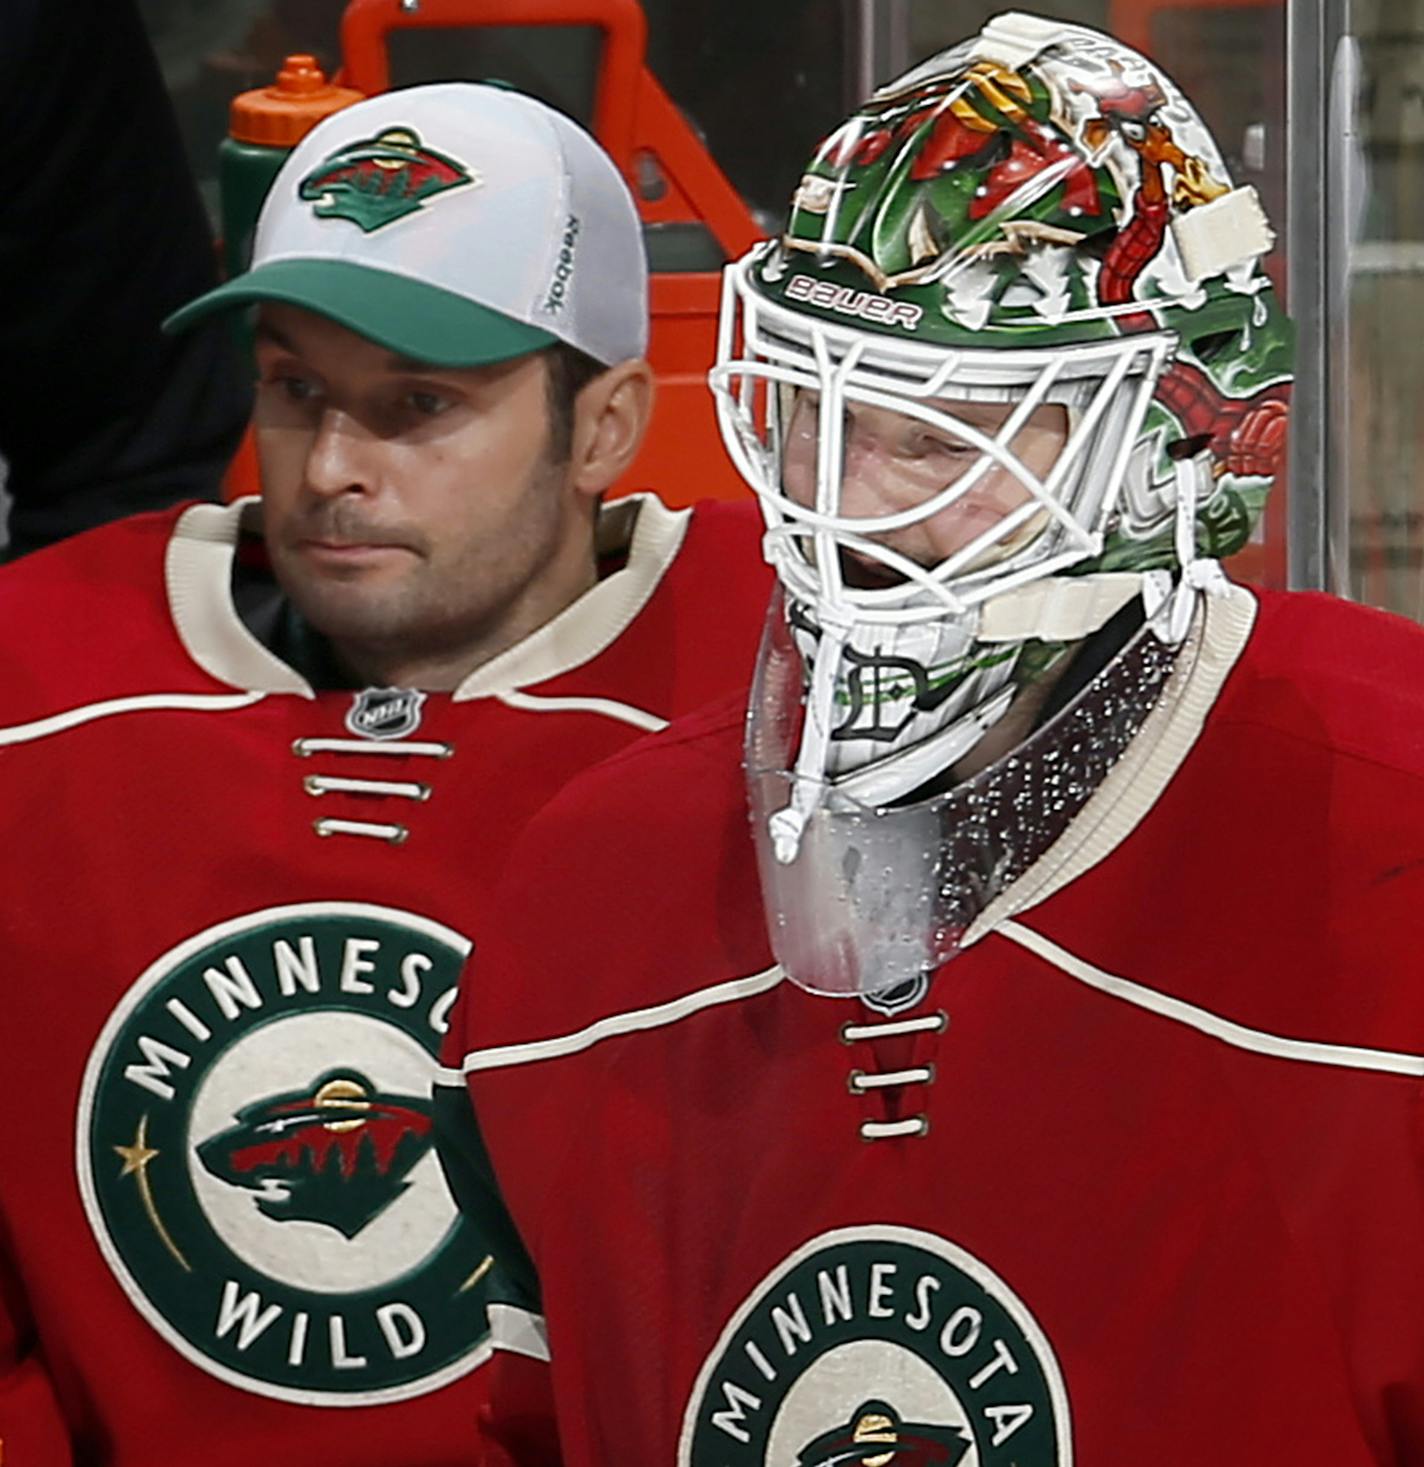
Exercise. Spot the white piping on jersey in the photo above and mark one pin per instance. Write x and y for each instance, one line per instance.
(332, 784)
(624, 712)
(42, 728)
(396, 834)
(632, 1022)
(411, 747)
(1138, 778)
(518, 1331)
(1258, 1041)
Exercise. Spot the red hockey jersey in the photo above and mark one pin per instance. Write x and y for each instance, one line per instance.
(234, 915)
(1138, 1180)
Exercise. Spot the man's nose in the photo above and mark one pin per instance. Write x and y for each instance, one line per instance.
(859, 485)
(338, 461)
(873, 482)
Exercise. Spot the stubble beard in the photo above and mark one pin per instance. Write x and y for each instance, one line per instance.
(434, 608)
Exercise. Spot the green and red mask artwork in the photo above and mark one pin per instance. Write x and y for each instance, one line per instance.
(985, 207)
(1030, 239)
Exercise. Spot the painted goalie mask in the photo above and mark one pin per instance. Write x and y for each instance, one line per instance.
(1013, 364)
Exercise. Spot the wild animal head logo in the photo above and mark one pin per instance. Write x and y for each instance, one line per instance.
(875, 1436)
(378, 180)
(253, 1148)
(335, 1154)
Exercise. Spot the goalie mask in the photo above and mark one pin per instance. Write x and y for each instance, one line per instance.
(1013, 364)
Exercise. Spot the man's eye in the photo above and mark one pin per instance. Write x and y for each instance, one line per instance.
(927, 446)
(294, 389)
(427, 404)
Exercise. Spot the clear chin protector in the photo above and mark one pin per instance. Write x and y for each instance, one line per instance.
(881, 896)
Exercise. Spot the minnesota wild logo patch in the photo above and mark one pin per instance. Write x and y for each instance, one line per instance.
(378, 180)
(335, 1152)
(879, 1347)
(254, 1146)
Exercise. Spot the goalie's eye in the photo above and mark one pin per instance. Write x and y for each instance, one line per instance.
(931, 445)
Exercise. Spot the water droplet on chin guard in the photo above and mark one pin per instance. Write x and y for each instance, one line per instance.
(996, 827)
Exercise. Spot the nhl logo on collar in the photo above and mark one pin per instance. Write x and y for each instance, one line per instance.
(385, 713)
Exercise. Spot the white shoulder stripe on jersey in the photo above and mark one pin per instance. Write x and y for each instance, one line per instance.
(518, 1331)
(624, 712)
(1259, 1041)
(41, 728)
(635, 1020)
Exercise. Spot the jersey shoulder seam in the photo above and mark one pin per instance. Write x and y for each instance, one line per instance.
(629, 1021)
(1207, 1022)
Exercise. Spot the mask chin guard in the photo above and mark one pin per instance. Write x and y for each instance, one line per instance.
(1056, 609)
(877, 894)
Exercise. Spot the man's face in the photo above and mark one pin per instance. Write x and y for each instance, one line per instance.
(893, 462)
(409, 510)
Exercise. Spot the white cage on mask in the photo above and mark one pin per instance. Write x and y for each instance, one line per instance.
(766, 351)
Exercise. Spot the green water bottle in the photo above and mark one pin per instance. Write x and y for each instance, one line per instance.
(264, 126)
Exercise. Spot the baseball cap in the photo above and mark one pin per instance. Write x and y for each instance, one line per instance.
(458, 224)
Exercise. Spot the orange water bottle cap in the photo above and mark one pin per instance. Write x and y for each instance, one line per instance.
(280, 116)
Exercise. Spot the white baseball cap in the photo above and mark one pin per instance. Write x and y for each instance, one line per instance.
(456, 224)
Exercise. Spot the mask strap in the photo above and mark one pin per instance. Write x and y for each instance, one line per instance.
(1199, 573)
(786, 826)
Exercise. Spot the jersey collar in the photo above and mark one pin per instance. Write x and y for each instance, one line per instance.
(198, 574)
(652, 534)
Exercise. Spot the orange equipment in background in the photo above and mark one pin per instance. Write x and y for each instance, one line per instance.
(674, 182)
(264, 125)
(281, 115)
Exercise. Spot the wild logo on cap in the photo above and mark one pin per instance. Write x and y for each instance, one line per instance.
(378, 180)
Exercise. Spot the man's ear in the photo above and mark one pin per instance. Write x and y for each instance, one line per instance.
(611, 416)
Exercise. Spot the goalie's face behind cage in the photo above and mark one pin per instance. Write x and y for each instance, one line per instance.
(934, 481)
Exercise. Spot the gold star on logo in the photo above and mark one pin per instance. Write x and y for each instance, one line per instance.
(137, 1156)
(136, 1160)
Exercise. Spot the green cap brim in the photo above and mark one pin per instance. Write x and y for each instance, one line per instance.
(409, 317)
